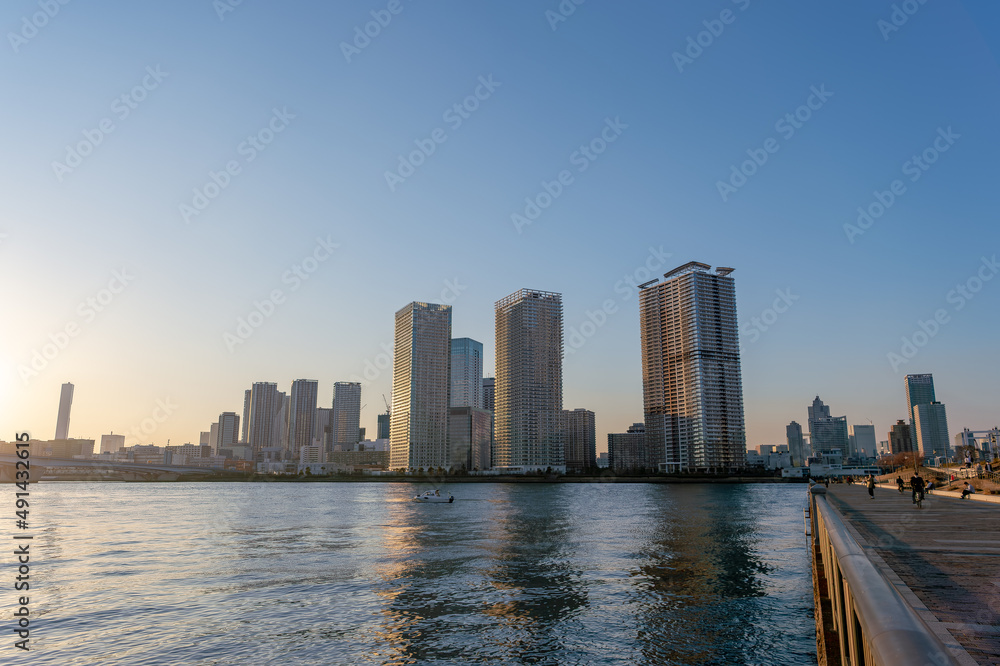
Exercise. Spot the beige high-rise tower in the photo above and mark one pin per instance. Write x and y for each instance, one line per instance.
(528, 415)
(691, 383)
(421, 381)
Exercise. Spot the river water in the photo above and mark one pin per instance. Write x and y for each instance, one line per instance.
(356, 573)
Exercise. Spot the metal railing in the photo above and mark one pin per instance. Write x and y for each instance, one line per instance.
(875, 625)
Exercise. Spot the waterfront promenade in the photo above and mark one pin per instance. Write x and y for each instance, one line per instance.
(944, 558)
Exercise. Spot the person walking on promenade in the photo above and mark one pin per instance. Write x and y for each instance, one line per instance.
(968, 490)
(900, 484)
(917, 488)
(871, 486)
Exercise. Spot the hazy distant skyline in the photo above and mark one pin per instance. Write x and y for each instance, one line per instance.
(168, 170)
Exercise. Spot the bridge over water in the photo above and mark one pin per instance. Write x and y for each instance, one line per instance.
(44, 468)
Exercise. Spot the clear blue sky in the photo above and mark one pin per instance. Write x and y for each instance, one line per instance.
(208, 83)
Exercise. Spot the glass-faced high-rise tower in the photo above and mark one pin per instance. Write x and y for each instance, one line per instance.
(466, 373)
(691, 382)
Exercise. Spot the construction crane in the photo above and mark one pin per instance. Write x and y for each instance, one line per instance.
(387, 409)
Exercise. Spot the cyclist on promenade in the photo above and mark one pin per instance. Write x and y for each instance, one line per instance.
(917, 488)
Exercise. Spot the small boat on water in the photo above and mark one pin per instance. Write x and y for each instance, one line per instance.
(434, 496)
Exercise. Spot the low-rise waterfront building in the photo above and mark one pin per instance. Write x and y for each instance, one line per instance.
(359, 459)
(627, 451)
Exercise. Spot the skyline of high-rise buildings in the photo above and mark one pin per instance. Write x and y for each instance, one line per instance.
(295, 421)
(438, 214)
(692, 386)
(528, 433)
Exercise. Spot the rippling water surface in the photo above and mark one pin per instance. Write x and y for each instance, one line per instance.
(356, 573)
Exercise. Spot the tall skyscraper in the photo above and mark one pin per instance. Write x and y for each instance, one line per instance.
(931, 425)
(529, 351)
(466, 373)
(264, 406)
(345, 420)
(817, 411)
(919, 391)
(302, 415)
(65, 405)
(244, 436)
(796, 444)
(580, 443)
(229, 429)
(691, 381)
(421, 380)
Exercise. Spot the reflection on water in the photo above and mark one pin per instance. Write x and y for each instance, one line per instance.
(358, 574)
(701, 562)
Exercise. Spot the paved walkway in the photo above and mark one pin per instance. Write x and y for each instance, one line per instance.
(977, 496)
(944, 558)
